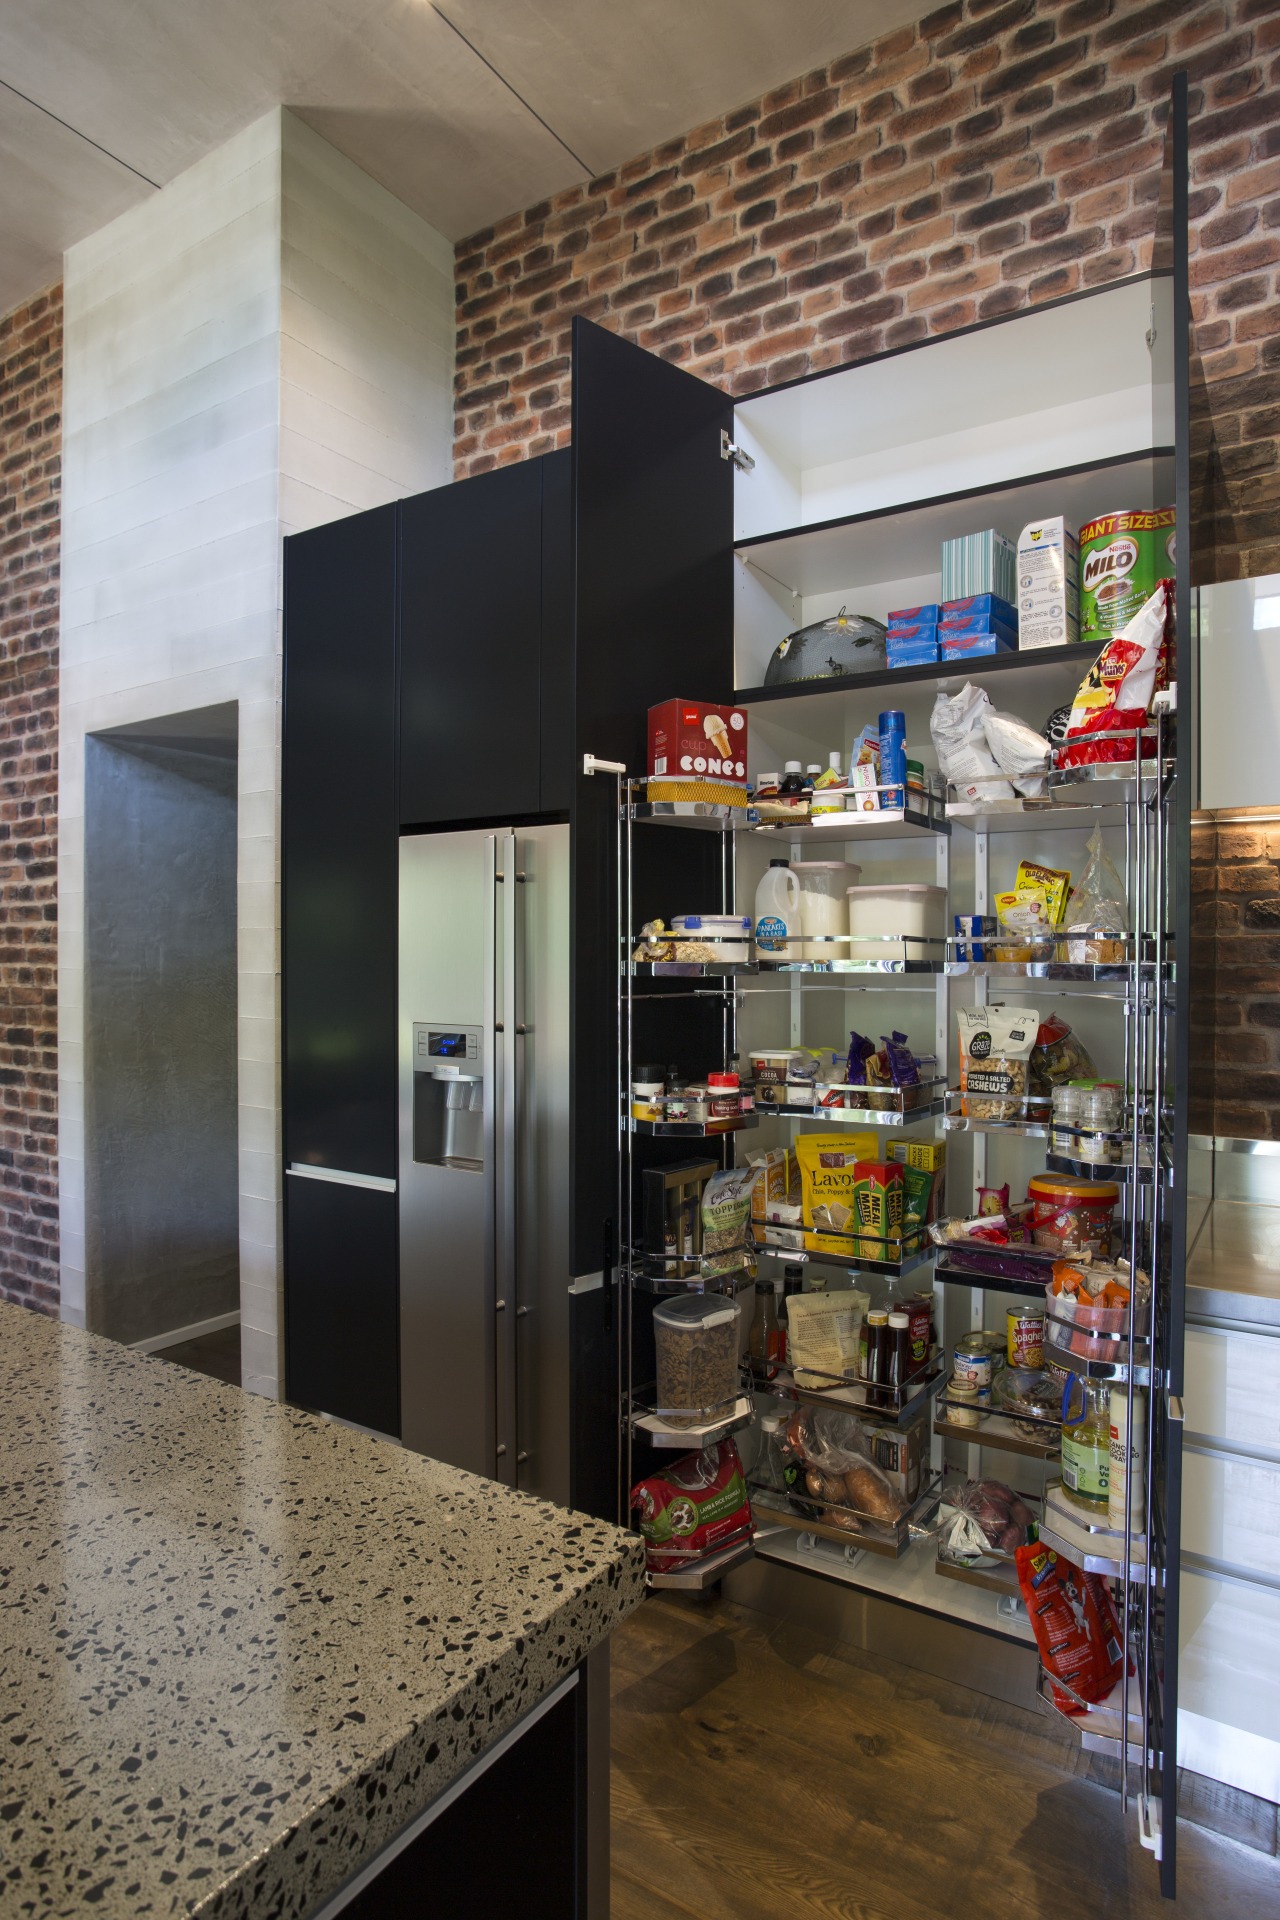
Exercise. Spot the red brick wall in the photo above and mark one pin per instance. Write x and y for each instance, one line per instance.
(30, 487)
(997, 154)
(1235, 1000)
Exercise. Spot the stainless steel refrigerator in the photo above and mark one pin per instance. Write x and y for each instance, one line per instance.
(484, 1152)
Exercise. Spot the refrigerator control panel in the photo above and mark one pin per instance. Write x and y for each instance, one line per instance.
(433, 1046)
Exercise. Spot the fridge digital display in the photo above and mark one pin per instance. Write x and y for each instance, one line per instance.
(447, 1046)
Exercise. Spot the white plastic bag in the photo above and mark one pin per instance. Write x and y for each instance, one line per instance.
(964, 756)
(1020, 751)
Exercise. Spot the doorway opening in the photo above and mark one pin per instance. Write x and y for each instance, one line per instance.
(161, 1122)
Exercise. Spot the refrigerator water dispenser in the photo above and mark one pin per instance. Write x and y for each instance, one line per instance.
(448, 1097)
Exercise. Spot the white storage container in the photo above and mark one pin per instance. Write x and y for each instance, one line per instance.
(907, 909)
(823, 885)
(719, 929)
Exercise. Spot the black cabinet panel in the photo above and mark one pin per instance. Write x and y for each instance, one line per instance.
(653, 583)
(470, 648)
(556, 690)
(339, 861)
(342, 1341)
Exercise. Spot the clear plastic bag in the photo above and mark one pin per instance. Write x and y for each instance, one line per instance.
(839, 1472)
(1096, 923)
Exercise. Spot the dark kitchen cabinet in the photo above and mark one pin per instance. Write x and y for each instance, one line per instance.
(342, 1337)
(485, 637)
(339, 861)
(338, 950)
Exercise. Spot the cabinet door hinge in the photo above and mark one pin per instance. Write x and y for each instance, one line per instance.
(741, 459)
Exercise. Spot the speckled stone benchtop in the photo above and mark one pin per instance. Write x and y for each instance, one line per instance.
(241, 1648)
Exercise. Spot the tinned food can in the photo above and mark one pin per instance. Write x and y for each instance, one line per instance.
(972, 1369)
(1024, 1337)
(1122, 555)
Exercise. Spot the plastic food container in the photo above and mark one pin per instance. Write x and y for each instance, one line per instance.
(719, 929)
(823, 885)
(696, 1347)
(1072, 1215)
(769, 1070)
(912, 910)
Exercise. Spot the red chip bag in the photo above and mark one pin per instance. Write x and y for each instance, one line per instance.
(1075, 1626)
(1115, 695)
(695, 1508)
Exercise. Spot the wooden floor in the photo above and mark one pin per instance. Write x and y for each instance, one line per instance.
(217, 1354)
(762, 1773)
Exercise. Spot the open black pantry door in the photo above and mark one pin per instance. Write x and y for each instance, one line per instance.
(653, 620)
(1156, 1602)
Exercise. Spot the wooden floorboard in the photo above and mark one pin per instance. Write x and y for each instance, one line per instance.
(761, 1771)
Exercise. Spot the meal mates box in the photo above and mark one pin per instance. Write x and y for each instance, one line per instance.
(689, 740)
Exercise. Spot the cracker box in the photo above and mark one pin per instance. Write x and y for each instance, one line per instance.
(689, 740)
(1048, 585)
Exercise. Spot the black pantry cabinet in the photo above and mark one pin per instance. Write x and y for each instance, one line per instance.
(449, 659)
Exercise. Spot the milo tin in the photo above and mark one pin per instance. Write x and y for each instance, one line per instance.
(1122, 555)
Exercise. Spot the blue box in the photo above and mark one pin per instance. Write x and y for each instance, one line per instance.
(958, 624)
(912, 630)
(913, 653)
(989, 604)
(914, 616)
(962, 646)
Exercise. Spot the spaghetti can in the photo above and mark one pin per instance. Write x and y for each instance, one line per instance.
(1024, 1337)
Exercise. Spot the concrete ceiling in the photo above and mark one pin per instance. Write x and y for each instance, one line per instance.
(465, 111)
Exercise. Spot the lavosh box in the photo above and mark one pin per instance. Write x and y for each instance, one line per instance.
(689, 740)
(1048, 585)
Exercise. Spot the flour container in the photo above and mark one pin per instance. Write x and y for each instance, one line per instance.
(823, 886)
(911, 910)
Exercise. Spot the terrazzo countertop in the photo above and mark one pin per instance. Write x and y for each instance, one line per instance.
(240, 1648)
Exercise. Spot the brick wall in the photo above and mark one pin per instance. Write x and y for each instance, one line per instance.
(998, 154)
(1235, 1003)
(30, 483)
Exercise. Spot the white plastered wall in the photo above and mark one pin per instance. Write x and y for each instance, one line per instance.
(265, 345)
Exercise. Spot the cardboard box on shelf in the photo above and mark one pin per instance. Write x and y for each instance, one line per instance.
(899, 1452)
(773, 1170)
(689, 739)
(1048, 585)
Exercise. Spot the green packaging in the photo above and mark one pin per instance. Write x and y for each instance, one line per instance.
(1122, 555)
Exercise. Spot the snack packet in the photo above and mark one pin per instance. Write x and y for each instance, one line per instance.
(1025, 920)
(904, 1068)
(995, 1055)
(824, 1333)
(828, 1164)
(860, 1051)
(1055, 883)
(1074, 1621)
(727, 1240)
(1115, 695)
(695, 1507)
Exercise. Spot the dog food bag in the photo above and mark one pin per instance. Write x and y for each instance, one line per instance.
(695, 1507)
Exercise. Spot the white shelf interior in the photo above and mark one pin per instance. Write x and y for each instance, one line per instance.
(968, 414)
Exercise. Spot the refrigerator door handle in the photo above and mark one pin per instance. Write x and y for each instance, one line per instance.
(506, 1011)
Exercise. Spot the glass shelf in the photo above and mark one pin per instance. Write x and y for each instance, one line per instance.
(978, 1265)
(917, 1254)
(1094, 1548)
(995, 1430)
(706, 1571)
(660, 1431)
(1097, 1724)
(925, 820)
(691, 1129)
(853, 1396)
(650, 1273)
(928, 1105)
(889, 1539)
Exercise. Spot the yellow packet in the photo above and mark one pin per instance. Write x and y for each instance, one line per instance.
(1055, 882)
